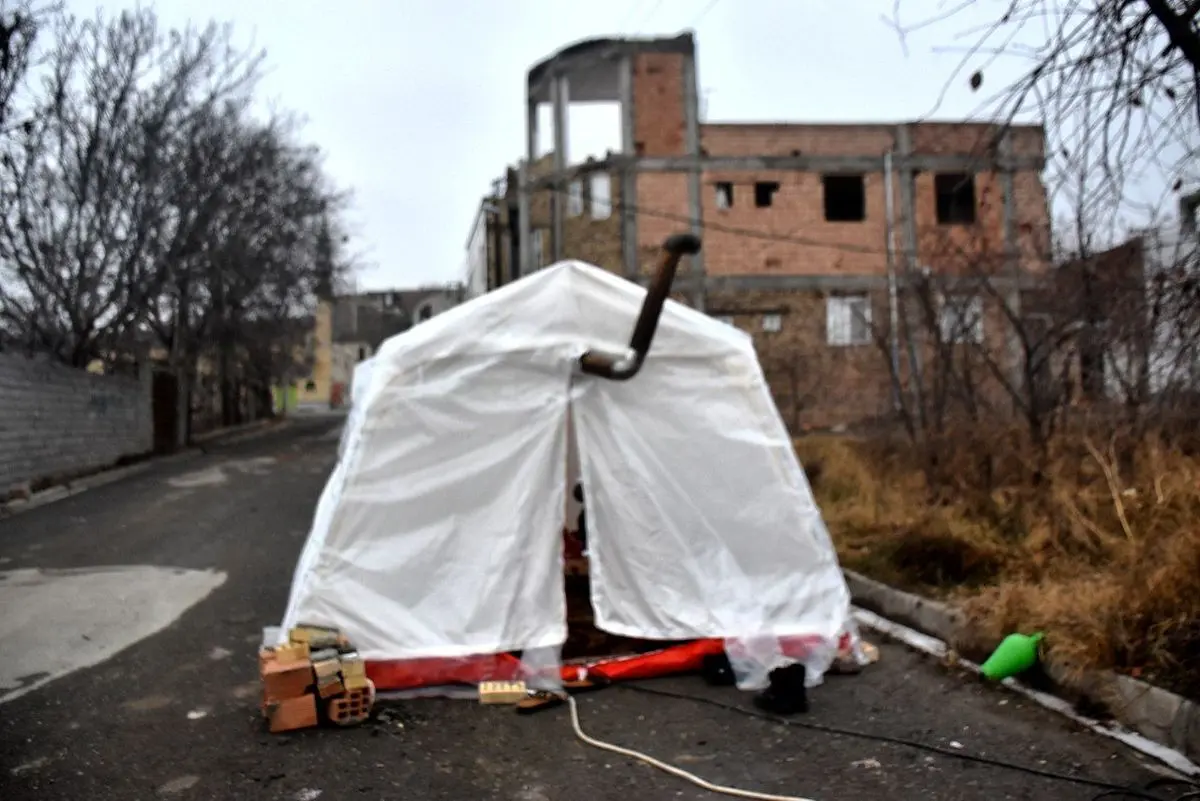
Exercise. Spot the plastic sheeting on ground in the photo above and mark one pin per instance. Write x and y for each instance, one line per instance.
(439, 532)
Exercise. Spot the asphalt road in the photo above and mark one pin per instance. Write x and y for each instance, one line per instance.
(173, 715)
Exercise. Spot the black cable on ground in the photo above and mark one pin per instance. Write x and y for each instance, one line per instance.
(1108, 789)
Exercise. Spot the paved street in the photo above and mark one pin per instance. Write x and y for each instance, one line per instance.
(206, 549)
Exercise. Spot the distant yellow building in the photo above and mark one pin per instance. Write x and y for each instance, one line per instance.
(317, 387)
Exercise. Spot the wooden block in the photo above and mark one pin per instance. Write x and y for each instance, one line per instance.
(289, 714)
(326, 668)
(323, 654)
(293, 652)
(355, 683)
(353, 666)
(501, 692)
(315, 637)
(282, 680)
(331, 687)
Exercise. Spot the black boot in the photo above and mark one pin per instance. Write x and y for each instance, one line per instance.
(787, 694)
(717, 671)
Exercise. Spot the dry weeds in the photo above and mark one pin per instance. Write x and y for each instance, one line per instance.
(1100, 548)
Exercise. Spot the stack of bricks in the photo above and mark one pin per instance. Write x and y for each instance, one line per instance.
(315, 677)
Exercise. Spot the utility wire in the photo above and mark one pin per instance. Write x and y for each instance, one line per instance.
(1109, 790)
(704, 12)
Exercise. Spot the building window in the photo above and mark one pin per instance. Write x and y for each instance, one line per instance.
(845, 198)
(772, 323)
(955, 198)
(362, 354)
(723, 194)
(848, 320)
(961, 319)
(310, 386)
(764, 193)
(424, 313)
(537, 247)
(575, 199)
(601, 196)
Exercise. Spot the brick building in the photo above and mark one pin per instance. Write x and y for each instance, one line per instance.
(811, 232)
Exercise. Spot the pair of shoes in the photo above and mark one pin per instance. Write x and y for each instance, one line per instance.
(787, 694)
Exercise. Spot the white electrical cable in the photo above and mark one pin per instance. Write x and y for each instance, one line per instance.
(674, 771)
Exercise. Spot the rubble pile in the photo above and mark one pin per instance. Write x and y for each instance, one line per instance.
(316, 677)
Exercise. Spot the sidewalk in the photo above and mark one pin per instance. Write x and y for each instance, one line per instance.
(107, 476)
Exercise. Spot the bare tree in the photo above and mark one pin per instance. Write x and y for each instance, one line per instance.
(20, 23)
(1108, 330)
(143, 203)
(85, 182)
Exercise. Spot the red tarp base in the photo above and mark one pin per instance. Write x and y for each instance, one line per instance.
(409, 674)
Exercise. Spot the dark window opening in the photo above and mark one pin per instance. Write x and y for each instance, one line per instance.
(362, 354)
(310, 386)
(724, 194)
(764, 193)
(955, 198)
(845, 198)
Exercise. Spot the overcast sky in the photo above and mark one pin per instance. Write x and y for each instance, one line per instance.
(418, 104)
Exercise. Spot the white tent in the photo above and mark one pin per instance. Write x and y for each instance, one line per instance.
(439, 532)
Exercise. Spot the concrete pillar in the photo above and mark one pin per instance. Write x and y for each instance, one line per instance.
(628, 183)
(1012, 258)
(524, 225)
(559, 100)
(525, 230)
(908, 212)
(691, 114)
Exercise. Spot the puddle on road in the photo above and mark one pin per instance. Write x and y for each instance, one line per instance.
(178, 785)
(149, 704)
(58, 621)
(220, 474)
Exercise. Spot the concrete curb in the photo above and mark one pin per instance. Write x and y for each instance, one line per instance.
(1160, 715)
(94, 480)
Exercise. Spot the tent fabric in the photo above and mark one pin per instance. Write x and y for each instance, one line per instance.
(438, 534)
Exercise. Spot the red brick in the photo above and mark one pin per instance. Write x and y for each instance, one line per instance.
(282, 680)
(289, 714)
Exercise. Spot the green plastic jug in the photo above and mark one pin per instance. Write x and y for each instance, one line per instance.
(1016, 654)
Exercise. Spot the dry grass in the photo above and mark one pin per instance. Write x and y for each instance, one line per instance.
(1100, 549)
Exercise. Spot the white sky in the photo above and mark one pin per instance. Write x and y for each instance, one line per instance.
(419, 104)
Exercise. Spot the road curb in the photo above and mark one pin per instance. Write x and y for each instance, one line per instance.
(1160, 715)
(94, 480)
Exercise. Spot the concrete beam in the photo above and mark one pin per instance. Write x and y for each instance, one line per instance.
(838, 164)
(818, 164)
(826, 283)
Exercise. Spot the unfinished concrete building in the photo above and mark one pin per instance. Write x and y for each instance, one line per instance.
(808, 229)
